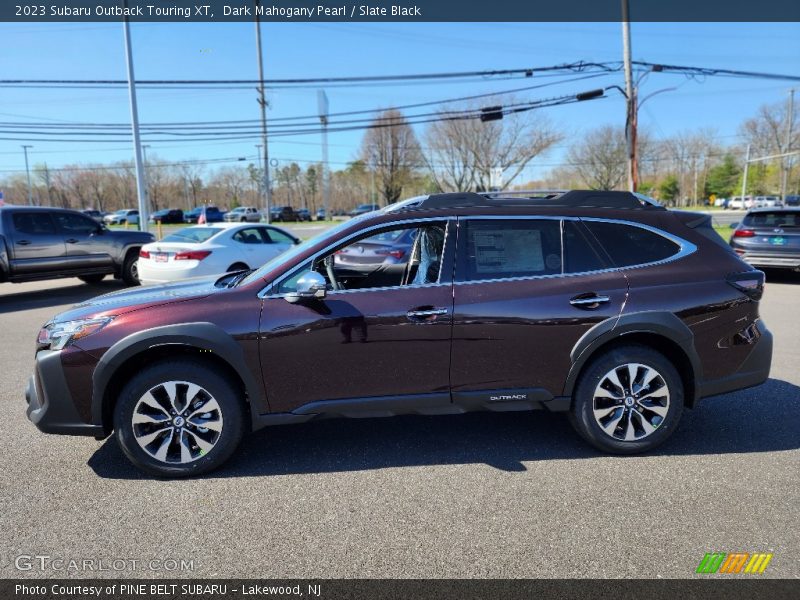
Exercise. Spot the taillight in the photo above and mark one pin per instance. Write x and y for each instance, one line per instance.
(144, 254)
(749, 282)
(192, 255)
(744, 233)
(398, 254)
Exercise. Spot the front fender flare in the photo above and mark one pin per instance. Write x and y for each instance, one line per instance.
(202, 335)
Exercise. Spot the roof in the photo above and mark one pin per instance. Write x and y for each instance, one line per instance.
(531, 199)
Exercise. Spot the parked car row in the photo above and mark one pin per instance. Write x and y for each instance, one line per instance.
(748, 202)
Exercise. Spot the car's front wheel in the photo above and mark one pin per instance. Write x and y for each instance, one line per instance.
(628, 400)
(179, 418)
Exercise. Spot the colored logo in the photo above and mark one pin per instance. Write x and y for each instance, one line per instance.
(734, 562)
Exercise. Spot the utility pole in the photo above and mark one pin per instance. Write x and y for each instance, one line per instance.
(322, 103)
(787, 164)
(744, 177)
(263, 103)
(630, 93)
(28, 173)
(144, 173)
(141, 191)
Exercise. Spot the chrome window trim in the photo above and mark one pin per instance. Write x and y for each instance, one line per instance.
(685, 247)
(264, 293)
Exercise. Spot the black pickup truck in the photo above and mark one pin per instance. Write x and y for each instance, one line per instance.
(48, 243)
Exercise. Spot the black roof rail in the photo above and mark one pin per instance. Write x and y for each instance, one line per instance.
(572, 199)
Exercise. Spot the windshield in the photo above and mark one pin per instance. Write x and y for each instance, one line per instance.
(192, 235)
(294, 251)
(773, 219)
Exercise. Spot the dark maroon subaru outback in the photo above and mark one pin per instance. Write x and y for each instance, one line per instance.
(603, 305)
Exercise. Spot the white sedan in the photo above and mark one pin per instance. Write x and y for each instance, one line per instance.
(212, 249)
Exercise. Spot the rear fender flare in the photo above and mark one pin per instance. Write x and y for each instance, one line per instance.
(661, 323)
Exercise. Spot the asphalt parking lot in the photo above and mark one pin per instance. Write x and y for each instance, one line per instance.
(481, 495)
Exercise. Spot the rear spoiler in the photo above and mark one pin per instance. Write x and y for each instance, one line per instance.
(693, 220)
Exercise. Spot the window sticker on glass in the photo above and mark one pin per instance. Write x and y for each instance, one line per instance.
(508, 251)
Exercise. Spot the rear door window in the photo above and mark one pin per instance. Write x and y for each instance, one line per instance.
(502, 249)
(33, 223)
(629, 245)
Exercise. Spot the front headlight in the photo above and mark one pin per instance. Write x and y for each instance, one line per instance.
(57, 335)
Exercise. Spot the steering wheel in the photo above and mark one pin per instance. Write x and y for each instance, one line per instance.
(331, 273)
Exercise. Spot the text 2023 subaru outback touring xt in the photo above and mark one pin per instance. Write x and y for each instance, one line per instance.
(600, 304)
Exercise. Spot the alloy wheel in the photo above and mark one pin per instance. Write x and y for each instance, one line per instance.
(631, 402)
(177, 422)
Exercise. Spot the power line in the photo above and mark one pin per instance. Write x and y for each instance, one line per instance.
(336, 126)
(525, 72)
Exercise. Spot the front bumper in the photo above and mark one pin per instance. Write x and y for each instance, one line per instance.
(50, 405)
(753, 371)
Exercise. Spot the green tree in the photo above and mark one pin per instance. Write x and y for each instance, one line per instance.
(669, 188)
(724, 178)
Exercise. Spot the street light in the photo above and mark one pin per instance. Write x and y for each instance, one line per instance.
(28, 172)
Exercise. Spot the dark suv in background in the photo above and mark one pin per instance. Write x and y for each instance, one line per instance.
(603, 305)
(48, 243)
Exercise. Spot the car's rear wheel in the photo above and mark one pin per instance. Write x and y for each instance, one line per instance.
(91, 278)
(628, 400)
(130, 267)
(179, 418)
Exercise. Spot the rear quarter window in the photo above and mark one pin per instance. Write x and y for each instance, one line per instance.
(629, 245)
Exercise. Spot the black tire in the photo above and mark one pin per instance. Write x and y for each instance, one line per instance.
(636, 416)
(232, 418)
(239, 266)
(91, 279)
(242, 220)
(130, 270)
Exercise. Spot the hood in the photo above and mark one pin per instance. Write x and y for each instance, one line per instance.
(123, 301)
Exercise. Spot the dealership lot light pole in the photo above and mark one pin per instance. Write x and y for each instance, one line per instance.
(141, 192)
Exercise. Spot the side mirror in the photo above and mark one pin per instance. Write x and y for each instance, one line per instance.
(310, 286)
(734, 225)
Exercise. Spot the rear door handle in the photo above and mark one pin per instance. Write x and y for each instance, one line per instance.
(23, 243)
(590, 300)
(72, 241)
(423, 313)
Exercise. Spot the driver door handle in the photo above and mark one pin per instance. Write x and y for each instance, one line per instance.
(426, 312)
(72, 241)
(589, 300)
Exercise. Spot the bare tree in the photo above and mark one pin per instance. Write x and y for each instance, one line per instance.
(391, 150)
(463, 152)
(600, 158)
(232, 181)
(192, 175)
(766, 134)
